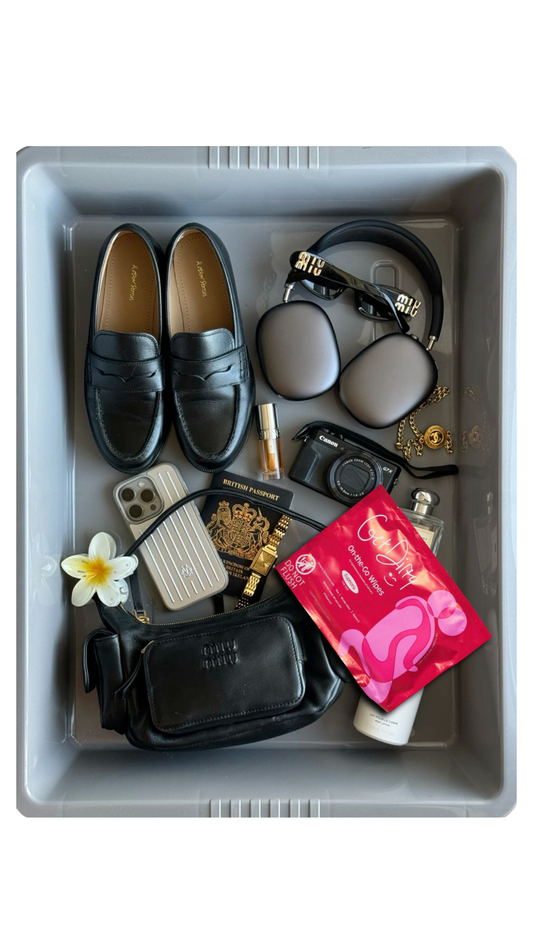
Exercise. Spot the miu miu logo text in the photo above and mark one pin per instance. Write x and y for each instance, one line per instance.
(407, 304)
(220, 653)
(309, 264)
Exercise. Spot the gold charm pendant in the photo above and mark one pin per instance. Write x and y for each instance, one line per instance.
(434, 437)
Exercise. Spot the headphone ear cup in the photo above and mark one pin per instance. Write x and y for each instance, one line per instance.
(298, 350)
(387, 380)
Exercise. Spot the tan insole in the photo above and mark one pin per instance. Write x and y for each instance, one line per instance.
(198, 294)
(128, 296)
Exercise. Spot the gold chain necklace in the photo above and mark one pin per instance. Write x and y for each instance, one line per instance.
(433, 437)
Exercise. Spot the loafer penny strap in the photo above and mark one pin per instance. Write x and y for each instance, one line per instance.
(145, 375)
(192, 375)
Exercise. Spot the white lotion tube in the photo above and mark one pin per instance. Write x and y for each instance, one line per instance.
(394, 727)
(391, 727)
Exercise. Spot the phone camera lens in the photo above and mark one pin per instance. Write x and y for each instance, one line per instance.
(147, 496)
(135, 511)
(127, 494)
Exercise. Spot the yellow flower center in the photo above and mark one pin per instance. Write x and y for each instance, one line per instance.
(98, 572)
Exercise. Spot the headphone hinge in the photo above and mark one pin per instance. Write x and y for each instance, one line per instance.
(287, 292)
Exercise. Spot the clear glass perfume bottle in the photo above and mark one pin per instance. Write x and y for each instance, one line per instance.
(421, 516)
(394, 727)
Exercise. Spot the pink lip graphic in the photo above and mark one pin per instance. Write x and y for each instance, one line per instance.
(400, 640)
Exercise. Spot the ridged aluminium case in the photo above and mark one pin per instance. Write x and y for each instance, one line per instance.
(179, 555)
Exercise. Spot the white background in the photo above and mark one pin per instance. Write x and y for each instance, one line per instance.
(154, 73)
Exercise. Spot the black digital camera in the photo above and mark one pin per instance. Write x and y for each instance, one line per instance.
(334, 462)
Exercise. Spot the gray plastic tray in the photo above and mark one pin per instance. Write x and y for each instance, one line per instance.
(264, 203)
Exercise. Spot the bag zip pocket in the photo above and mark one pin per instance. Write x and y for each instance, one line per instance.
(185, 690)
(125, 689)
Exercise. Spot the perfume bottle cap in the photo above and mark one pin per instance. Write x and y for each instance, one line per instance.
(423, 501)
(267, 419)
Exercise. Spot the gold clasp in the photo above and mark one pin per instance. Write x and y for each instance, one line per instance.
(435, 437)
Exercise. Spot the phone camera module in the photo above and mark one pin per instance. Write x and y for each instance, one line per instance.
(147, 496)
(135, 511)
(127, 494)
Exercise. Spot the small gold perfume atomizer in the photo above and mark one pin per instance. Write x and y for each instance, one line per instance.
(269, 436)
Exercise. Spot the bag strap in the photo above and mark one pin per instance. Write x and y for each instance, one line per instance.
(205, 492)
(439, 470)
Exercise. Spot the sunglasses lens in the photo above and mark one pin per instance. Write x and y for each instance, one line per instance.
(371, 309)
(323, 292)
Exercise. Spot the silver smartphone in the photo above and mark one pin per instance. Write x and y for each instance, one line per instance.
(180, 555)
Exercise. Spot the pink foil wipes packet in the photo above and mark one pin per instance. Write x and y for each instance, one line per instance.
(383, 601)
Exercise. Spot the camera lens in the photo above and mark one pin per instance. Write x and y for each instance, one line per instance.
(127, 494)
(353, 476)
(135, 511)
(147, 496)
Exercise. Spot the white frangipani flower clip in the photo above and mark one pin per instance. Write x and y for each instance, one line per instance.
(100, 571)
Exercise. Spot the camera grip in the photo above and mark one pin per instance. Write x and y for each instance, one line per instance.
(304, 464)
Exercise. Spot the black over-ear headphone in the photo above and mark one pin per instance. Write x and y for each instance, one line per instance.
(298, 349)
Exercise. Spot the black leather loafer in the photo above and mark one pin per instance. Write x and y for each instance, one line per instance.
(209, 368)
(124, 372)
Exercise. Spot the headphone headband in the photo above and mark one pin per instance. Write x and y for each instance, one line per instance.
(401, 240)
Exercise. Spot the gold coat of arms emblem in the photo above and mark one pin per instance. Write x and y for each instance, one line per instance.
(240, 530)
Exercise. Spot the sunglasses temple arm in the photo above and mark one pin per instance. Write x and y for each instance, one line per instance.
(332, 279)
(400, 319)
(306, 267)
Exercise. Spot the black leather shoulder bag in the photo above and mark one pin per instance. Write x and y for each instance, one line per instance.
(231, 678)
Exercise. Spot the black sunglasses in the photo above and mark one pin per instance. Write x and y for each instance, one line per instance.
(328, 282)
